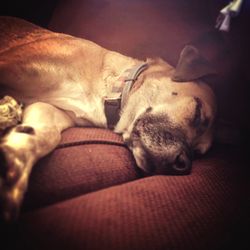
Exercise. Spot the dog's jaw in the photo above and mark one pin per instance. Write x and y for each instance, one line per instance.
(135, 146)
(157, 147)
(125, 127)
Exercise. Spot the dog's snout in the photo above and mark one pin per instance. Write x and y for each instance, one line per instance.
(160, 147)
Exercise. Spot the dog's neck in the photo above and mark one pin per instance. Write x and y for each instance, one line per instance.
(120, 93)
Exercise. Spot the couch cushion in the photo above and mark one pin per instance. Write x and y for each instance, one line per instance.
(88, 159)
(197, 211)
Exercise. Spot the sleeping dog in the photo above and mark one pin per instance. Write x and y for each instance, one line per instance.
(164, 114)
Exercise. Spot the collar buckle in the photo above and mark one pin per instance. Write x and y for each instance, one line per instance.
(112, 108)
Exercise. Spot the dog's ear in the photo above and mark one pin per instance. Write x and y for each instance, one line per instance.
(191, 66)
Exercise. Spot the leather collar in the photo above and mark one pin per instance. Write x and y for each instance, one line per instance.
(113, 105)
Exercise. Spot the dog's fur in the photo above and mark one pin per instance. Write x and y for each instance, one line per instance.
(62, 81)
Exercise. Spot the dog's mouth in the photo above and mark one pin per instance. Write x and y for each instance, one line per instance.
(159, 147)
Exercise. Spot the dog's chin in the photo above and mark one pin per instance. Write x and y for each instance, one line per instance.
(141, 159)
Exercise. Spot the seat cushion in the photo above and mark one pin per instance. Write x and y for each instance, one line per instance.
(204, 210)
(87, 159)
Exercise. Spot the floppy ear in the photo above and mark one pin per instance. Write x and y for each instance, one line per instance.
(191, 66)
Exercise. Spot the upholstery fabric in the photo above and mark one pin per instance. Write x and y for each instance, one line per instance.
(75, 170)
(198, 211)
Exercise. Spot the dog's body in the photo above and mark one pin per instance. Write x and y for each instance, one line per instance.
(63, 82)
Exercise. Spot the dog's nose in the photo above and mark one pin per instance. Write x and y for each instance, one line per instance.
(182, 164)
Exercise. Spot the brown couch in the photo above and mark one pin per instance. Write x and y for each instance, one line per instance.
(88, 193)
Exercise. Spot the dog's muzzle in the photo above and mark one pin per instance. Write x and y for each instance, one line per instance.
(163, 147)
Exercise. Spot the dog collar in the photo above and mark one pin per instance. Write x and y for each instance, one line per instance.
(113, 105)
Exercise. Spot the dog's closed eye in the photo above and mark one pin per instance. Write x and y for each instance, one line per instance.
(196, 121)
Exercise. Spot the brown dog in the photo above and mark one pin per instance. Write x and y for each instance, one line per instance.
(164, 114)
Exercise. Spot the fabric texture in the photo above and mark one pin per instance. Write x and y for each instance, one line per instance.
(74, 170)
(198, 211)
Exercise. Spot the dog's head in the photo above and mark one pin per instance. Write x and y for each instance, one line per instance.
(173, 119)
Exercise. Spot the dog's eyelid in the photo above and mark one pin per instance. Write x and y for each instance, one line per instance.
(196, 119)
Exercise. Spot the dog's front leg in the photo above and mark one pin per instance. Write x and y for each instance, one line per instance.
(38, 135)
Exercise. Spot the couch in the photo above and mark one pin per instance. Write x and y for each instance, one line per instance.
(89, 194)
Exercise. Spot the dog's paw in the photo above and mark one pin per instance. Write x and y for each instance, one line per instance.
(13, 183)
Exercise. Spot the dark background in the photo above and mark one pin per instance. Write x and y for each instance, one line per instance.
(38, 12)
